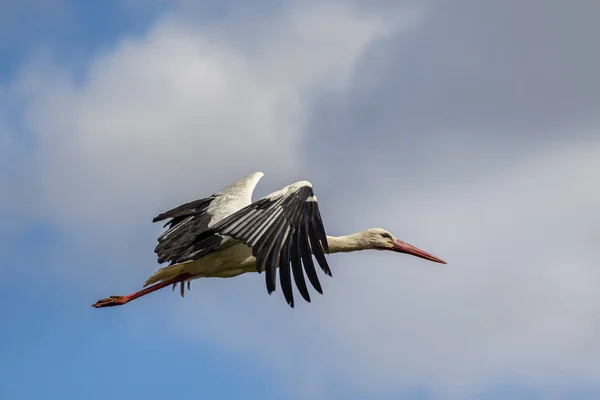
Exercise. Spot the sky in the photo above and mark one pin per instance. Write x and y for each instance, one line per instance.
(467, 128)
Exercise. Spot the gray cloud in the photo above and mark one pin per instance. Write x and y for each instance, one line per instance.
(476, 137)
(474, 84)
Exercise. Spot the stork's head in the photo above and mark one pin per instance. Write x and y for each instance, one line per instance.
(380, 239)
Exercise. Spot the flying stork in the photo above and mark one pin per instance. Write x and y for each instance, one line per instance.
(226, 235)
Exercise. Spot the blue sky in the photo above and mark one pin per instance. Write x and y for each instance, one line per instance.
(470, 130)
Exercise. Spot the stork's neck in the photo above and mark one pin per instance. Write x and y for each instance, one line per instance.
(343, 244)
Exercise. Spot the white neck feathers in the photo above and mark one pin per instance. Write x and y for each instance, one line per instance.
(343, 244)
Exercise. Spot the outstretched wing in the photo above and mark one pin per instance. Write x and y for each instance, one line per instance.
(283, 229)
(178, 243)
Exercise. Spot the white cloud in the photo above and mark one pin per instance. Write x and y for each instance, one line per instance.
(175, 114)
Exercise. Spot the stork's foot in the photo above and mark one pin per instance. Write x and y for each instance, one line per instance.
(110, 302)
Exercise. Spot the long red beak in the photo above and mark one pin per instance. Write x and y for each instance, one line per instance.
(403, 247)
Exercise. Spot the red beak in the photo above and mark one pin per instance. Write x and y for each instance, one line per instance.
(403, 247)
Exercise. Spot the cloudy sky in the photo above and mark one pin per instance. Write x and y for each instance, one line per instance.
(468, 129)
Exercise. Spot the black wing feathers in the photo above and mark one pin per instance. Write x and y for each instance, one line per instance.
(314, 242)
(281, 231)
(187, 209)
(178, 243)
(284, 273)
(297, 271)
(309, 266)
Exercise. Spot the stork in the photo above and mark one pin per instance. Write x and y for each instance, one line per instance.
(226, 235)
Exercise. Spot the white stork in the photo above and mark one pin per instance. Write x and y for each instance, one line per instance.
(226, 235)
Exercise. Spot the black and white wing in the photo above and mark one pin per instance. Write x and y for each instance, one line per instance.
(283, 229)
(178, 243)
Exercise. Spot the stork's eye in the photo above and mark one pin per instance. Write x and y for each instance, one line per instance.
(386, 235)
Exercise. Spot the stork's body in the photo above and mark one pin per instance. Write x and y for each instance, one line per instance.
(226, 235)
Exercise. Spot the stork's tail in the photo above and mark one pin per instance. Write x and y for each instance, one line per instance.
(168, 273)
(164, 274)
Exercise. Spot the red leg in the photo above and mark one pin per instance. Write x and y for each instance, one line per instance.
(120, 300)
